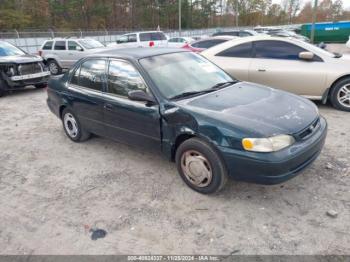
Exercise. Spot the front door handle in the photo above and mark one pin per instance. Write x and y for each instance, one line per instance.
(108, 107)
(262, 70)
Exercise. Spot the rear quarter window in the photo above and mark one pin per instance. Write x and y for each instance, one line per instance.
(48, 45)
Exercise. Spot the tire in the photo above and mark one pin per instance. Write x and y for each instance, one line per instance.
(72, 127)
(204, 159)
(54, 67)
(43, 85)
(340, 95)
(3, 88)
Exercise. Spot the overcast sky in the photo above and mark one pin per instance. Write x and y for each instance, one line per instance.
(345, 2)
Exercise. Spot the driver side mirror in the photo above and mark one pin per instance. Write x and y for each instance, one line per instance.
(142, 96)
(308, 56)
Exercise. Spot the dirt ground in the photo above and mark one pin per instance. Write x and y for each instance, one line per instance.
(52, 191)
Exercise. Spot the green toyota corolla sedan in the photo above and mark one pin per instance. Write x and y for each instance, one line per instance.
(213, 126)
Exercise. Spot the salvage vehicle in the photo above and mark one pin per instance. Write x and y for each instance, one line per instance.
(62, 53)
(19, 69)
(181, 104)
(288, 64)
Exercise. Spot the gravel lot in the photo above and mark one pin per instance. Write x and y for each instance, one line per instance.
(54, 191)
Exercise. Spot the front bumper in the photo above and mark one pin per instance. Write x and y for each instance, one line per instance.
(31, 79)
(276, 167)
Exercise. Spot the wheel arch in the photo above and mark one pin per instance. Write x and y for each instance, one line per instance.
(178, 141)
(329, 90)
(62, 107)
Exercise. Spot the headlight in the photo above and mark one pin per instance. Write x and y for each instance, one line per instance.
(10, 71)
(270, 144)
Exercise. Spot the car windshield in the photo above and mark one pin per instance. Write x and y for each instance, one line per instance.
(6, 49)
(90, 44)
(185, 72)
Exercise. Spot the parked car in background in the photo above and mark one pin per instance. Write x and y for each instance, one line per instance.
(200, 45)
(62, 53)
(287, 64)
(19, 69)
(178, 42)
(141, 39)
(285, 33)
(181, 104)
(238, 33)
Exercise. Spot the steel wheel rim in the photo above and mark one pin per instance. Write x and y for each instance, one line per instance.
(53, 68)
(70, 124)
(344, 96)
(196, 168)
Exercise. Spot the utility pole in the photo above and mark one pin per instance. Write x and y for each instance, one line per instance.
(314, 17)
(236, 12)
(180, 17)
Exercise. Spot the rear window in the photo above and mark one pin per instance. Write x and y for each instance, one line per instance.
(60, 45)
(152, 36)
(208, 43)
(48, 45)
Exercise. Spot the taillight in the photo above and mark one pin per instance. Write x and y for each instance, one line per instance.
(151, 44)
(185, 46)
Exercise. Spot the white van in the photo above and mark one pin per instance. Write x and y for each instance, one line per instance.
(141, 39)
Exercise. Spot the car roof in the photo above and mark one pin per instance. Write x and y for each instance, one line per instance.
(136, 53)
(241, 40)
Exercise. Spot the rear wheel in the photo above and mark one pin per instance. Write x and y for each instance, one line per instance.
(54, 67)
(340, 95)
(72, 127)
(200, 166)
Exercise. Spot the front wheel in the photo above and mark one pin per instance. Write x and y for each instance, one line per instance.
(54, 67)
(200, 166)
(340, 95)
(72, 127)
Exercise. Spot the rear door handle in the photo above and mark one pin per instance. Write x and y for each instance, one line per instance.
(108, 107)
(262, 70)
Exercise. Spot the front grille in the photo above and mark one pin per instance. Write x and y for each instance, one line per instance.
(31, 68)
(309, 130)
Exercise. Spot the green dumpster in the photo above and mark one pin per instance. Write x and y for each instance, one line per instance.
(337, 32)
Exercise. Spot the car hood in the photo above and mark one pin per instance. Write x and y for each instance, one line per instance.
(20, 59)
(257, 109)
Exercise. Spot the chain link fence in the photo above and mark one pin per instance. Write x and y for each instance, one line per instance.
(30, 41)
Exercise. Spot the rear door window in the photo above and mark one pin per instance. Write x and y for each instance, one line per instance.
(60, 45)
(274, 49)
(91, 74)
(48, 45)
(242, 50)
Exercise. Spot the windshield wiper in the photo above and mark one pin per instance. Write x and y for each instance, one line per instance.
(223, 84)
(212, 89)
(186, 94)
